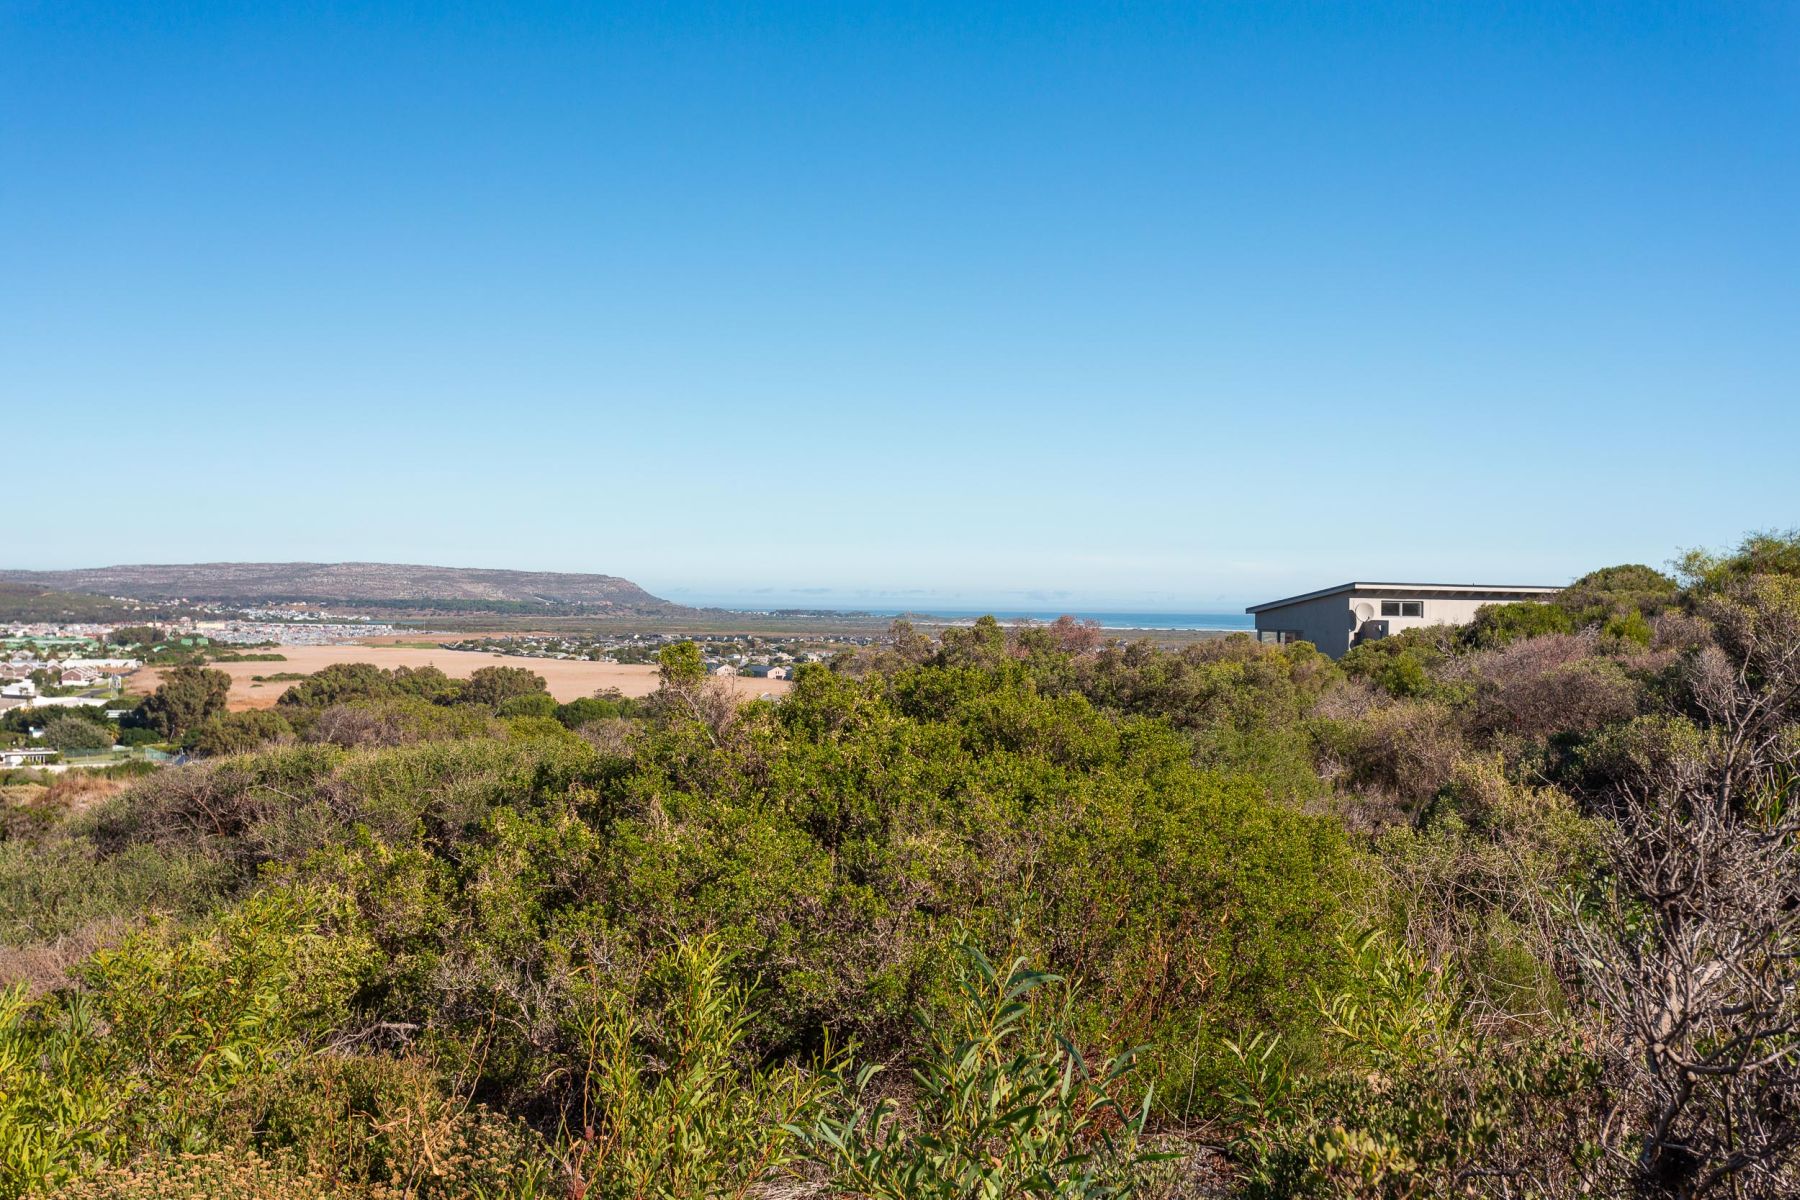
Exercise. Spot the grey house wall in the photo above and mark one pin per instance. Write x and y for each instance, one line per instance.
(1325, 622)
(1332, 622)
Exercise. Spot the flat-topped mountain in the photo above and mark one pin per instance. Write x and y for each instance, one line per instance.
(383, 584)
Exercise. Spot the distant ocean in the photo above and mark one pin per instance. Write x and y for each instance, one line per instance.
(1233, 621)
(1107, 620)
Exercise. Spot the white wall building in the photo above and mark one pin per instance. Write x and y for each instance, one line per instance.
(1335, 619)
(70, 702)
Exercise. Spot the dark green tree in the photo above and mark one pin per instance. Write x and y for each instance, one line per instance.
(588, 709)
(188, 697)
(68, 733)
(135, 635)
(238, 733)
(339, 683)
(491, 687)
(531, 704)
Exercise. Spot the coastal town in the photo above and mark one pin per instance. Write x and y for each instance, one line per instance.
(61, 682)
(724, 654)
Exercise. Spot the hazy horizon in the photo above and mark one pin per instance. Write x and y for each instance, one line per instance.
(943, 601)
(901, 597)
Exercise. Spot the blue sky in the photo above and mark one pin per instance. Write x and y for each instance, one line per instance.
(1101, 305)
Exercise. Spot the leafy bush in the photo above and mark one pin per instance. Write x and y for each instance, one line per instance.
(236, 733)
(589, 709)
(1407, 751)
(23, 720)
(1497, 625)
(1612, 593)
(1769, 552)
(530, 704)
(1004, 1105)
(390, 1124)
(397, 720)
(187, 698)
(493, 687)
(345, 683)
(667, 1110)
(74, 734)
(52, 887)
(144, 1055)
(1549, 686)
(1420, 1103)
(1630, 627)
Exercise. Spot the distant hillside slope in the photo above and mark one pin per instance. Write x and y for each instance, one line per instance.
(385, 584)
(27, 603)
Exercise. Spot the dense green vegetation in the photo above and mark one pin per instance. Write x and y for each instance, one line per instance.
(1503, 910)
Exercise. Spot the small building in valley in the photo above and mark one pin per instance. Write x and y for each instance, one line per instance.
(1337, 618)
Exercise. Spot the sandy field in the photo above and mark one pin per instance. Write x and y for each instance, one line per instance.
(568, 680)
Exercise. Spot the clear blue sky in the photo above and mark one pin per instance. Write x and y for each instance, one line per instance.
(1120, 305)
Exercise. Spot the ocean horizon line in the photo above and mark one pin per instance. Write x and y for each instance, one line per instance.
(1106, 618)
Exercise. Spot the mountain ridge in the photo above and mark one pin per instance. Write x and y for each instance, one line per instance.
(394, 584)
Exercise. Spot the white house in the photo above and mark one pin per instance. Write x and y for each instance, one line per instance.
(1335, 619)
(70, 702)
(11, 756)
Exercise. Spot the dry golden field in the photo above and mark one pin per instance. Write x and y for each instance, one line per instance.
(568, 680)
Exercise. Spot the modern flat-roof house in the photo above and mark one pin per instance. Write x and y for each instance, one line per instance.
(1335, 619)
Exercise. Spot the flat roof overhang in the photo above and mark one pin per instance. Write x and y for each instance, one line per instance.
(1523, 591)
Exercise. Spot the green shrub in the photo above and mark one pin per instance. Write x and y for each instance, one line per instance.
(1416, 1101)
(1612, 592)
(530, 704)
(1768, 552)
(681, 664)
(1629, 627)
(493, 687)
(144, 1055)
(1497, 625)
(347, 683)
(215, 1175)
(1403, 665)
(72, 734)
(391, 1124)
(187, 698)
(394, 720)
(667, 1108)
(236, 733)
(589, 709)
(1003, 1105)
(538, 727)
(57, 885)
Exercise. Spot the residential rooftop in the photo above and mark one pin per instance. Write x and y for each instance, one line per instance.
(1433, 589)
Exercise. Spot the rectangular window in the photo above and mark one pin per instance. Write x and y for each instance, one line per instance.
(1402, 608)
